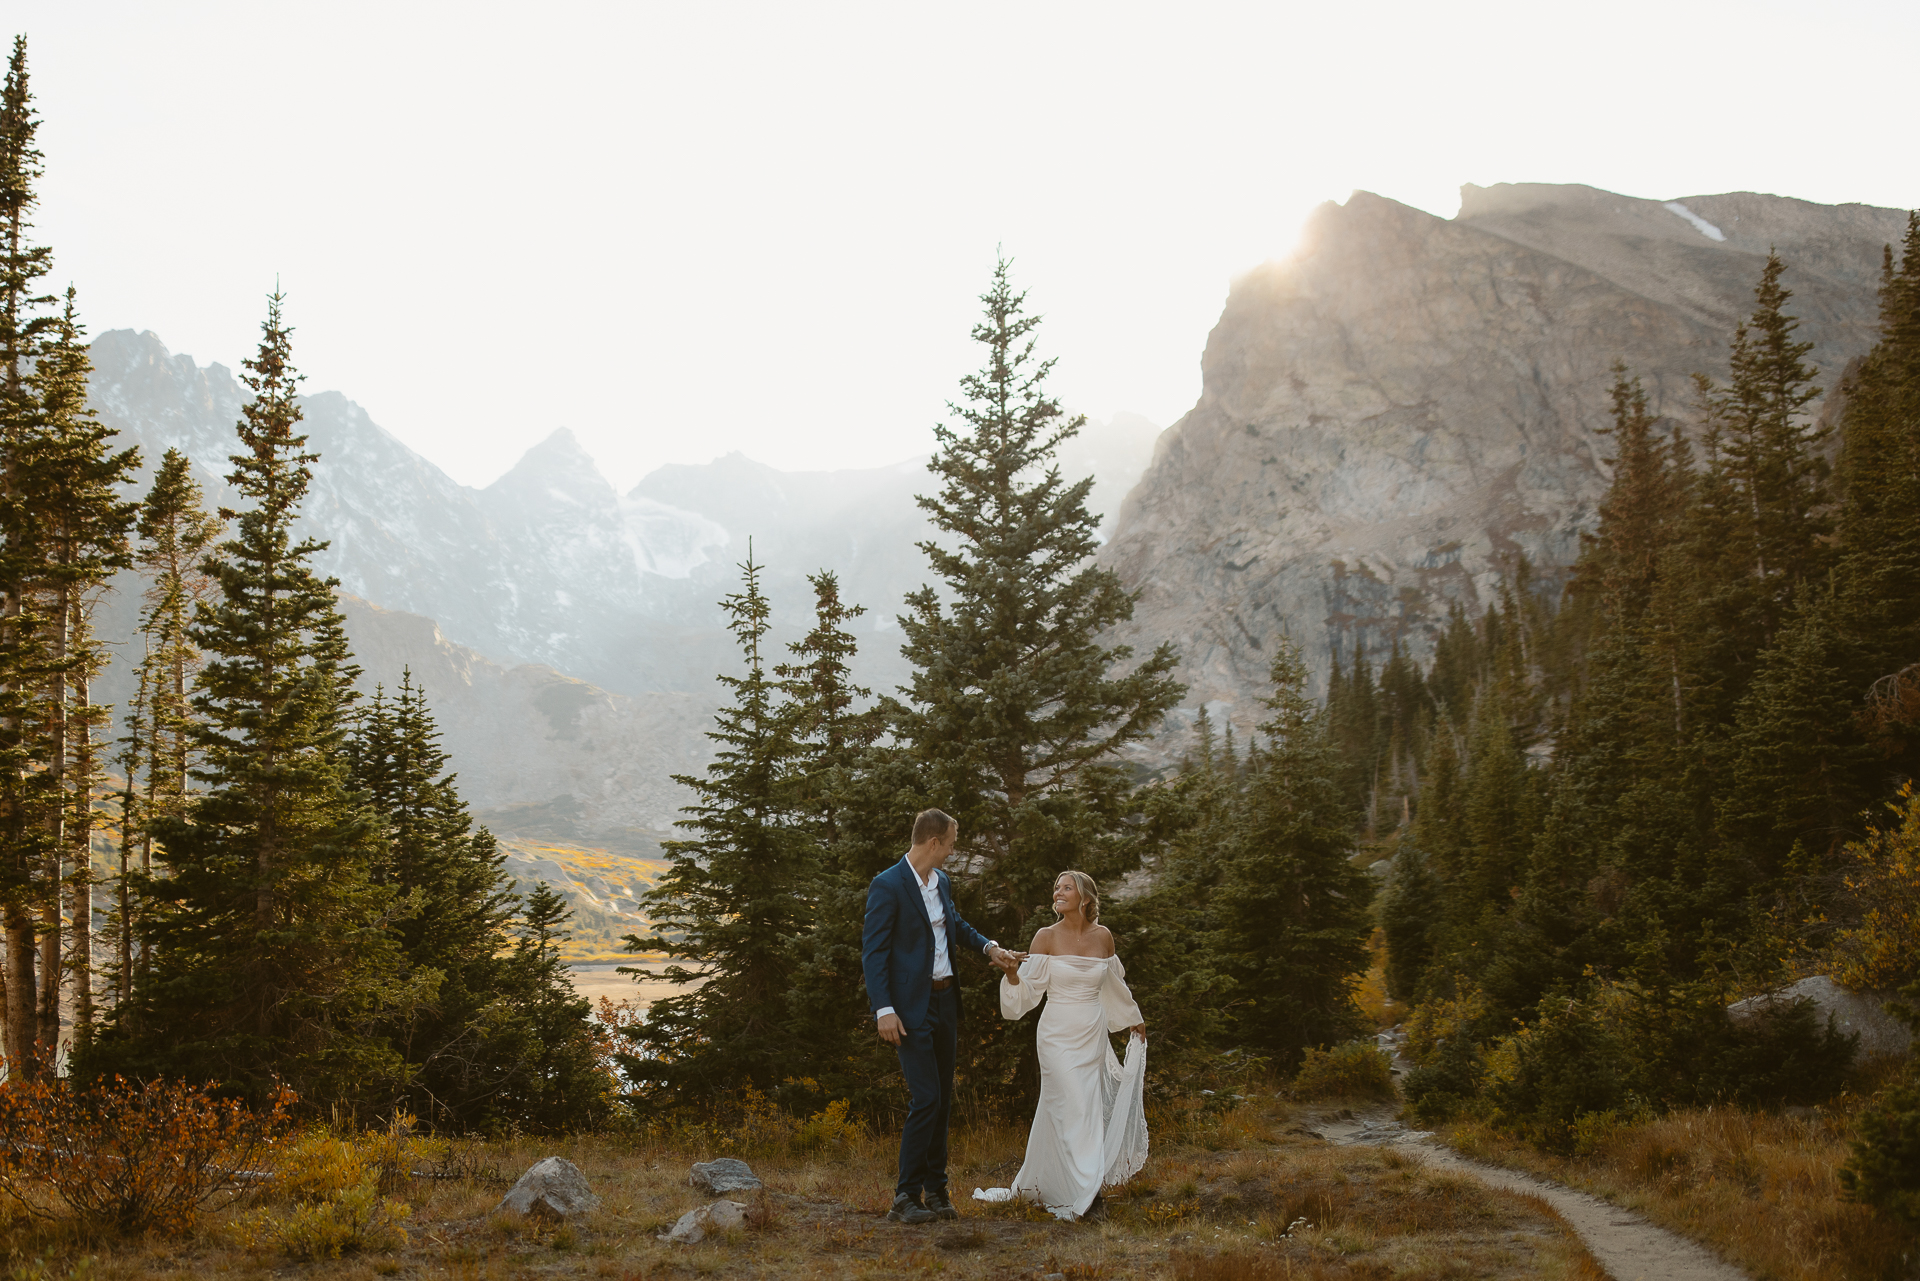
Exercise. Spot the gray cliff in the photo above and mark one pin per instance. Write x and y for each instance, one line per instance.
(1397, 412)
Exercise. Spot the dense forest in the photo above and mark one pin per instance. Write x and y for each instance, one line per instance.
(1622, 795)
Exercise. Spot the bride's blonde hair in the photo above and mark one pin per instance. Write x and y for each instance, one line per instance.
(1089, 894)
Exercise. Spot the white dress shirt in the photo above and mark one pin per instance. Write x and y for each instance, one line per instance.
(937, 916)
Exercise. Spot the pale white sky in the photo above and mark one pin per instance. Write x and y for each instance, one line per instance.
(688, 228)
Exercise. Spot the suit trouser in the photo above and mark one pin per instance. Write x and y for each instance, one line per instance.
(926, 1060)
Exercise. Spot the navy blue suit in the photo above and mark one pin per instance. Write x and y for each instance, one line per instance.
(896, 952)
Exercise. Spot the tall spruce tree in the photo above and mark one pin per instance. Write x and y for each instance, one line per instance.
(1878, 579)
(736, 893)
(494, 1046)
(1766, 455)
(1172, 932)
(1293, 910)
(25, 320)
(157, 756)
(270, 945)
(560, 1086)
(837, 797)
(76, 482)
(1017, 709)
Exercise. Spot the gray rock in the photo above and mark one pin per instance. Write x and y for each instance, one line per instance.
(727, 1174)
(696, 1226)
(1880, 1033)
(552, 1188)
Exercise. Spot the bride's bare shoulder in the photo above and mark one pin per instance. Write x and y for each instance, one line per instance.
(1042, 944)
(1105, 937)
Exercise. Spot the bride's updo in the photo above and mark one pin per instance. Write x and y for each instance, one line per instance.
(1089, 895)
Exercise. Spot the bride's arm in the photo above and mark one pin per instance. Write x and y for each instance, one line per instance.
(1122, 1011)
(1020, 992)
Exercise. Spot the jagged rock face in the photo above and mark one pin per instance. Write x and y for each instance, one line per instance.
(1393, 415)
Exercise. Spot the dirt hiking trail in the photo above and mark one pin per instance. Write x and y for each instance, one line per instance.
(1626, 1245)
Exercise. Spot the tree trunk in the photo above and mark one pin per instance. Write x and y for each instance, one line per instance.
(123, 988)
(80, 842)
(23, 1023)
(51, 970)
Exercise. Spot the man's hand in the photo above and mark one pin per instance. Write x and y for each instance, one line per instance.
(1140, 1030)
(891, 1029)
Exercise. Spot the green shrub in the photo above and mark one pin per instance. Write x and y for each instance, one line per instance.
(355, 1219)
(1884, 1169)
(1549, 1073)
(1448, 1085)
(829, 1128)
(1355, 1070)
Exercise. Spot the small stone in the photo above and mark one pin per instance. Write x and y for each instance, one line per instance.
(696, 1226)
(553, 1188)
(727, 1174)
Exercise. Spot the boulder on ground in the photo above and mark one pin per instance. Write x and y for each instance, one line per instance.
(727, 1174)
(1852, 1012)
(553, 1188)
(696, 1226)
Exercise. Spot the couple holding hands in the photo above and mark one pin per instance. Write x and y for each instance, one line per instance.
(1090, 1128)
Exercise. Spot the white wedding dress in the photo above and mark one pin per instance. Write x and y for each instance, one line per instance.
(1090, 1129)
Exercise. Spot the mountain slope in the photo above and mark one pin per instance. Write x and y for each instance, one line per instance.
(1409, 403)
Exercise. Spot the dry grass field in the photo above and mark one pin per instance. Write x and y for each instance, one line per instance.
(1762, 1189)
(1228, 1196)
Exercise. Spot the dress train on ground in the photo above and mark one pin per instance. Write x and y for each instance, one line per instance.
(1090, 1129)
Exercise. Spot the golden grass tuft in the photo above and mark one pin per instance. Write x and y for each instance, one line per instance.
(1763, 1189)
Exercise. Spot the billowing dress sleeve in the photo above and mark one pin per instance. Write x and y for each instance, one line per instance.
(1017, 999)
(1115, 998)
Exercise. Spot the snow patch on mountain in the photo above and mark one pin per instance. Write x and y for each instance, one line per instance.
(1700, 224)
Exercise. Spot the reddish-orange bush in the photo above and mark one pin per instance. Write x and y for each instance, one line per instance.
(126, 1156)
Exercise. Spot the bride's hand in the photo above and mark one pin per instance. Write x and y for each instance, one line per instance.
(1008, 963)
(1140, 1030)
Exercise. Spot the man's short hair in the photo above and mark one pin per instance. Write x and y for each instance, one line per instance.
(930, 825)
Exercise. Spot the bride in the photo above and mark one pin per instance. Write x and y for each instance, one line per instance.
(1090, 1129)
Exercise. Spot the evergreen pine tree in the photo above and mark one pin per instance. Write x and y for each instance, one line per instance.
(822, 699)
(157, 756)
(25, 784)
(1016, 708)
(562, 1087)
(1172, 931)
(1878, 579)
(838, 781)
(270, 950)
(1796, 777)
(1769, 456)
(735, 894)
(1293, 910)
(482, 1052)
(76, 479)
(1620, 561)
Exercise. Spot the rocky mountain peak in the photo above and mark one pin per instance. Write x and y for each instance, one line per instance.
(557, 470)
(1393, 415)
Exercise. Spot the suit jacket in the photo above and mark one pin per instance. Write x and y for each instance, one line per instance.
(896, 949)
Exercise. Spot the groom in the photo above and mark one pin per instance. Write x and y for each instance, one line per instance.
(911, 933)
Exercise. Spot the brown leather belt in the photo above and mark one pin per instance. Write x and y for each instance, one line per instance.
(941, 985)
